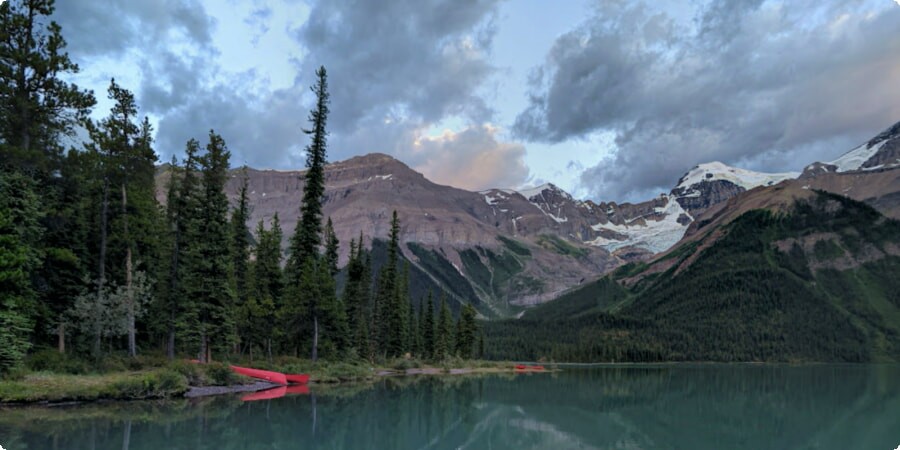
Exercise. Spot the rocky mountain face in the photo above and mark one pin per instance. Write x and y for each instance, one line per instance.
(519, 248)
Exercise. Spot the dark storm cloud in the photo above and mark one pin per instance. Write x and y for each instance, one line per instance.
(395, 68)
(110, 27)
(423, 59)
(181, 82)
(770, 86)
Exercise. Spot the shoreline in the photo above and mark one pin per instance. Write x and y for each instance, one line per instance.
(47, 389)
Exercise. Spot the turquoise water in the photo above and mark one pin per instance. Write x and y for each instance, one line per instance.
(637, 407)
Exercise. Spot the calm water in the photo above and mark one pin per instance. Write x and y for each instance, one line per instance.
(677, 407)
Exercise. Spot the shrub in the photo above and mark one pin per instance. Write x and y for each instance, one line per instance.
(50, 360)
(220, 374)
(159, 383)
(193, 373)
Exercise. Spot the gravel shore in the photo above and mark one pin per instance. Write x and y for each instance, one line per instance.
(203, 391)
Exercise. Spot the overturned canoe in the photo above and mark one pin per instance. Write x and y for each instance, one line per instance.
(300, 378)
(265, 375)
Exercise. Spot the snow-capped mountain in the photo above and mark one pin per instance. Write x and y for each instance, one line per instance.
(505, 247)
(881, 152)
(656, 225)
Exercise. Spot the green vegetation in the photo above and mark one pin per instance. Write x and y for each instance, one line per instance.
(94, 267)
(40, 386)
(438, 265)
(561, 246)
(515, 246)
(746, 297)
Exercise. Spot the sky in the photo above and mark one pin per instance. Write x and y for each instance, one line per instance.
(610, 100)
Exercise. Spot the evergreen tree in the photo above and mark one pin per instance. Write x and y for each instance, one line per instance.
(127, 162)
(240, 251)
(306, 239)
(260, 311)
(331, 248)
(390, 310)
(480, 345)
(467, 329)
(36, 105)
(428, 328)
(364, 335)
(19, 233)
(209, 296)
(36, 108)
(443, 336)
(183, 218)
(414, 338)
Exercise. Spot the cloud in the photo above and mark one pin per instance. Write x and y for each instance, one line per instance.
(771, 85)
(471, 159)
(395, 69)
(179, 79)
(420, 60)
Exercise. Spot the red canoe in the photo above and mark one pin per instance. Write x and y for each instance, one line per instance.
(300, 378)
(272, 377)
(268, 394)
(524, 367)
(297, 389)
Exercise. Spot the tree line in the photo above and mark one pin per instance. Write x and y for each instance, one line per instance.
(90, 259)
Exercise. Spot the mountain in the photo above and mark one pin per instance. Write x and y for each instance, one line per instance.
(500, 259)
(802, 275)
(505, 250)
(779, 267)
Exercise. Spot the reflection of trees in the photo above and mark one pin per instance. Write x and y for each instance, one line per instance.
(644, 407)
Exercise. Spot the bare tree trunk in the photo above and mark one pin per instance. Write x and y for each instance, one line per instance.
(315, 348)
(129, 279)
(61, 335)
(101, 283)
(173, 291)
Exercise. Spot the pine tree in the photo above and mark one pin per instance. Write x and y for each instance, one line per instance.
(208, 288)
(428, 328)
(36, 105)
(306, 239)
(331, 248)
(267, 285)
(19, 234)
(467, 329)
(443, 339)
(240, 251)
(390, 306)
(127, 165)
(183, 217)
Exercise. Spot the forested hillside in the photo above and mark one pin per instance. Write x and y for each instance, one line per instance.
(817, 282)
(93, 265)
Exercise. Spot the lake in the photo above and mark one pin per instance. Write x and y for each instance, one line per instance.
(606, 407)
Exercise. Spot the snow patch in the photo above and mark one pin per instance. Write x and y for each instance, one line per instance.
(655, 235)
(537, 190)
(746, 179)
(854, 159)
(381, 177)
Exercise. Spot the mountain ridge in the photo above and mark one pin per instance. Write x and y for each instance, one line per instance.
(529, 246)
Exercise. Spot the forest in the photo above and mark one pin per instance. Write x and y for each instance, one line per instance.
(92, 265)
(754, 294)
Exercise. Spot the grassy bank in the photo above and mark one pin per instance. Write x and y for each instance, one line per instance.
(56, 378)
(51, 387)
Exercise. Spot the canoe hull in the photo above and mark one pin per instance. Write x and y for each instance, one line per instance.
(265, 375)
(301, 378)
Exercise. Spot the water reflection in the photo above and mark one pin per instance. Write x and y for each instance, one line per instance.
(696, 407)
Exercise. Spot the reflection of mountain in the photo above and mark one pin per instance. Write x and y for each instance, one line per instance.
(697, 407)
